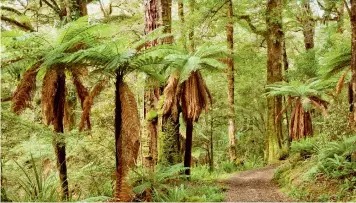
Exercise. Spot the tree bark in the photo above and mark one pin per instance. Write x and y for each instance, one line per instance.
(308, 25)
(274, 74)
(231, 80)
(58, 142)
(188, 147)
(170, 121)
(151, 94)
(191, 33)
(181, 19)
(340, 20)
(166, 15)
(118, 124)
(353, 65)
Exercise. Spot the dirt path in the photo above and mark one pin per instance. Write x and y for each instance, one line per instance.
(254, 186)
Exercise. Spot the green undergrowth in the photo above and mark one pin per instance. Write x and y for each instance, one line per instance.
(168, 184)
(320, 170)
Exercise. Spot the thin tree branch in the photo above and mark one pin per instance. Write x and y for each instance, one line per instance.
(252, 27)
(52, 6)
(4, 63)
(11, 10)
(6, 99)
(55, 4)
(18, 24)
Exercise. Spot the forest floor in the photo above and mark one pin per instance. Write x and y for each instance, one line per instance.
(254, 186)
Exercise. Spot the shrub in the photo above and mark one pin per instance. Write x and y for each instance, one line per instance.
(335, 159)
(37, 185)
(305, 147)
(146, 183)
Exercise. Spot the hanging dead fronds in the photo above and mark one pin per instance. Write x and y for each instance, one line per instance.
(195, 97)
(24, 91)
(128, 143)
(49, 88)
(341, 81)
(301, 123)
(170, 95)
(88, 103)
(82, 91)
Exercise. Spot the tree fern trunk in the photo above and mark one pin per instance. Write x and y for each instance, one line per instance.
(118, 123)
(59, 144)
(188, 146)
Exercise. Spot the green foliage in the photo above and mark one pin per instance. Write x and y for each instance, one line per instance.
(305, 148)
(335, 159)
(193, 193)
(228, 166)
(37, 185)
(328, 174)
(306, 65)
(298, 88)
(157, 182)
(151, 115)
(205, 57)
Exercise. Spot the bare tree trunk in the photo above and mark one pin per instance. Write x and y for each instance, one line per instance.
(58, 142)
(191, 33)
(166, 15)
(340, 20)
(274, 74)
(181, 19)
(308, 25)
(81, 6)
(151, 98)
(231, 80)
(353, 65)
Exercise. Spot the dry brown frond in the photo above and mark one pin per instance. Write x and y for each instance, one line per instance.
(169, 95)
(24, 91)
(320, 106)
(320, 101)
(195, 97)
(300, 123)
(82, 91)
(128, 142)
(88, 103)
(340, 82)
(49, 88)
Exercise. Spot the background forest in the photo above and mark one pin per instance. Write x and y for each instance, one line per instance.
(161, 100)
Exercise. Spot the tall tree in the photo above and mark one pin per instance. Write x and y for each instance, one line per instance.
(274, 40)
(341, 16)
(353, 64)
(171, 109)
(151, 93)
(308, 24)
(231, 80)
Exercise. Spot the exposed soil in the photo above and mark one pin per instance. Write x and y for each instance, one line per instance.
(254, 186)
